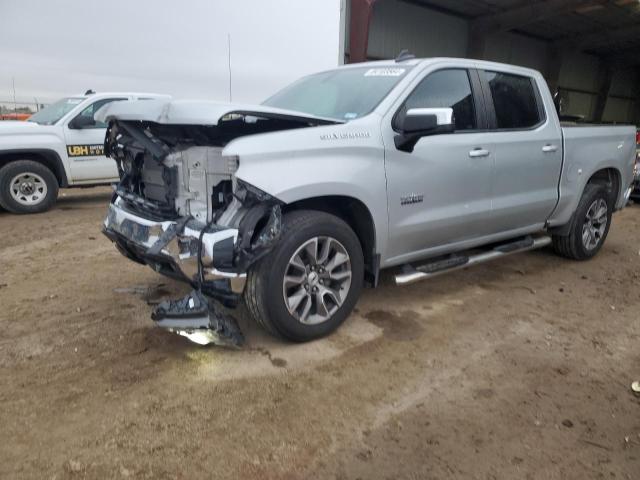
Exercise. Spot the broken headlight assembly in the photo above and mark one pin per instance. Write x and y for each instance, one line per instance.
(258, 219)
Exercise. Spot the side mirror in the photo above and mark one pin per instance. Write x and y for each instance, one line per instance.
(82, 121)
(421, 122)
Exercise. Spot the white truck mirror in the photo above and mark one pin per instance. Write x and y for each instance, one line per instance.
(420, 122)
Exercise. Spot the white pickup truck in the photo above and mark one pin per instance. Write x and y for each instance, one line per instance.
(60, 146)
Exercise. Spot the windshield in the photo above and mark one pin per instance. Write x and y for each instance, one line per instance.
(343, 94)
(54, 112)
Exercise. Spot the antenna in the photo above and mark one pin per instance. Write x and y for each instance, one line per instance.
(229, 64)
(404, 55)
(13, 84)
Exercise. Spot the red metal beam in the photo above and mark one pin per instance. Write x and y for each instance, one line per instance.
(361, 12)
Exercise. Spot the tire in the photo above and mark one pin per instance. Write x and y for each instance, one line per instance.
(36, 192)
(575, 245)
(266, 291)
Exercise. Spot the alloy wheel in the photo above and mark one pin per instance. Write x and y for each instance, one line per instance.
(317, 280)
(595, 224)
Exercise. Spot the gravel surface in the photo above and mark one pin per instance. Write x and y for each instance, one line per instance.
(519, 369)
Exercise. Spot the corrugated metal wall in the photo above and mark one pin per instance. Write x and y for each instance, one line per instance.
(579, 79)
(517, 50)
(621, 104)
(425, 32)
(397, 25)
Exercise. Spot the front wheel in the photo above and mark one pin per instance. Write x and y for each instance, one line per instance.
(310, 282)
(590, 225)
(27, 187)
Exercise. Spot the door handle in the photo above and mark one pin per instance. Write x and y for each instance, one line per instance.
(478, 152)
(550, 148)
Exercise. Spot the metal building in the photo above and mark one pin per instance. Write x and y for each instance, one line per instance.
(588, 50)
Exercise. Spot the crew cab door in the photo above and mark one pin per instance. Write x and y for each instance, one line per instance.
(84, 138)
(527, 145)
(440, 193)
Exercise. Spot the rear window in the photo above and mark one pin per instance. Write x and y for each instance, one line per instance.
(514, 100)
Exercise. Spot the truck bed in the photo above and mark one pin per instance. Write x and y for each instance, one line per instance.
(588, 148)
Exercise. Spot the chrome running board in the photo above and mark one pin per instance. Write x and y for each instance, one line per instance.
(411, 274)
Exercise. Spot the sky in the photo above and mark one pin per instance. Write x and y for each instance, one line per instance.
(179, 47)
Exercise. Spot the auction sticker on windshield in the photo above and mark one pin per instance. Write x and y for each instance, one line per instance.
(384, 72)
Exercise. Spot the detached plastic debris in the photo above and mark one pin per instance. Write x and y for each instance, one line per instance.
(199, 320)
(635, 388)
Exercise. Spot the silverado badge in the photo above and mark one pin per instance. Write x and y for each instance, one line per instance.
(411, 198)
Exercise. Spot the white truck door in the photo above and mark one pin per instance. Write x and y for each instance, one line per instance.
(528, 151)
(440, 193)
(84, 138)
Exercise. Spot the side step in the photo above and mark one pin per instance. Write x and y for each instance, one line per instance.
(411, 274)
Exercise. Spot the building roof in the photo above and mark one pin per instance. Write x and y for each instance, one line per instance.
(607, 28)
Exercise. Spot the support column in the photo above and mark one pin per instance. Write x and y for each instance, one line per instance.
(477, 43)
(606, 79)
(361, 13)
(636, 106)
(555, 58)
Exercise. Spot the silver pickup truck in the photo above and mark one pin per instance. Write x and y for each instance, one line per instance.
(293, 205)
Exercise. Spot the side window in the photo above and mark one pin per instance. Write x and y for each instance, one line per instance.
(514, 100)
(448, 89)
(91, 110)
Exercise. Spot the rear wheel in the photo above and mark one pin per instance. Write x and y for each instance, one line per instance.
(590, 225)
(310, 282)
(27, 187)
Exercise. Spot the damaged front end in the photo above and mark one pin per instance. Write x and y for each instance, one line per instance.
(180, 209)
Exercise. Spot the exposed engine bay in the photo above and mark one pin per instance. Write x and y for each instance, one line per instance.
(172, 171)
(180, 209)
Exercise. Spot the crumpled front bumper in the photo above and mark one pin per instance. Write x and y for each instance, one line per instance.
(172, 248)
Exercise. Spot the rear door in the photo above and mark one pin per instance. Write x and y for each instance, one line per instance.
(440, 193)
(527, 147)
(85, 147)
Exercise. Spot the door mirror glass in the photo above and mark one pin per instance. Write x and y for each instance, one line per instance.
(82, 121)
(86, 118)
(420, 122)
(425, 119)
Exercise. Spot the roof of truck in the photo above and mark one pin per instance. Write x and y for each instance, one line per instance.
(470, 62)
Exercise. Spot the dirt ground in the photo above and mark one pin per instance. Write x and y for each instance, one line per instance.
(520, 369)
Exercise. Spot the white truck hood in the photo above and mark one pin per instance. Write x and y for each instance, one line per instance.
(191, 112)
(11, 127)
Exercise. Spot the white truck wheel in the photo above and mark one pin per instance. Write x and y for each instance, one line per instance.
(27, 187)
